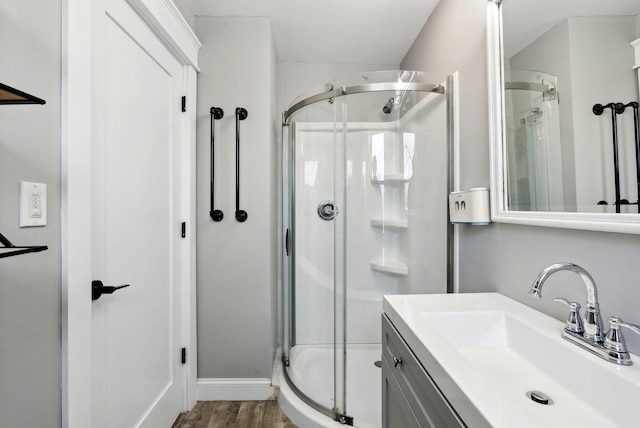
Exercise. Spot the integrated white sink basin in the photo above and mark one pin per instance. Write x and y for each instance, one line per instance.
(486, 351)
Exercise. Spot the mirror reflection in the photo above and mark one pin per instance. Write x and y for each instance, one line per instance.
(571, 96)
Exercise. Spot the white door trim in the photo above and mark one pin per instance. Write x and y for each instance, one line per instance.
(171, 29)
(164, 18)
(189, 335)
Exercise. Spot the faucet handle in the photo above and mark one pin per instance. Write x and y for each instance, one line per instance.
(574, 321)
(615, 340)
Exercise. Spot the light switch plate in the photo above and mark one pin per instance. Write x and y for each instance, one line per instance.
(33, 204)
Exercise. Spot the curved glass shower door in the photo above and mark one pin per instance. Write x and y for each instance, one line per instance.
(365, 166)
(312, 218)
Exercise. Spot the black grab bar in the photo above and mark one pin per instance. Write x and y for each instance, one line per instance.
(216, 113)
(241, 114)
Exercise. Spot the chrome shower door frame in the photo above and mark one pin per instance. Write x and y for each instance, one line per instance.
(338, 99)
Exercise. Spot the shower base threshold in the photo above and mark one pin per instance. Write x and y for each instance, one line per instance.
(311, 368)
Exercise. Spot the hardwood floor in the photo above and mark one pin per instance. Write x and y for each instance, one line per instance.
(235, 414)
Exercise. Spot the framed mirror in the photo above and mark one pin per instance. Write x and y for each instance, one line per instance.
(563, 100)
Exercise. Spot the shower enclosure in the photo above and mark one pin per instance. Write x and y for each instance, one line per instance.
(366, 177)
(533, 144)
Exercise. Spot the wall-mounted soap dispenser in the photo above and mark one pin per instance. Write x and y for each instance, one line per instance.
(470, 206)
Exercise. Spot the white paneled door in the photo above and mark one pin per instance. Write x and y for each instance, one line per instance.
(136, 236)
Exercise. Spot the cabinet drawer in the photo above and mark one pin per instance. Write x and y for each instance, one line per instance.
(428, 404)
(396, 411)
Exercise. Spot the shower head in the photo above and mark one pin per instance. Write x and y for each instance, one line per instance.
(388, 107)
(405, 76)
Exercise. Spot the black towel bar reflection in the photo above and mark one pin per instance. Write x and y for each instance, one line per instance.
(216, 113)
(241, 114)
(636, 125)
(616, 108)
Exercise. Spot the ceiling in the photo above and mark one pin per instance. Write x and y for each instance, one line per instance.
(332, 31)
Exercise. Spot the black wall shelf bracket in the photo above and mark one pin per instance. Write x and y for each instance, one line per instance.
(8, 96)
(216, 113)
(8, 249)
(241, 114)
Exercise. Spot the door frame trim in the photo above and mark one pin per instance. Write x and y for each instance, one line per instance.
(76, 136)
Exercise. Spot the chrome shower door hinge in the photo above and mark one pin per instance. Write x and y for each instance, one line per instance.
(344, 419)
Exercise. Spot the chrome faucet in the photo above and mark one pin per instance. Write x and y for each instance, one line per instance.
(592, 322)
(587, 332)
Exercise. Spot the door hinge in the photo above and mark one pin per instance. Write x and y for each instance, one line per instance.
(184, 229)
(184, 104)
(184, 356)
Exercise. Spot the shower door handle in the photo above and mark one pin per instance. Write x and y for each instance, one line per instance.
(216, 113)
(286, 242)
(241, 114)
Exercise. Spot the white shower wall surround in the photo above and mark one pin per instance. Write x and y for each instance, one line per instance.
(423, 222)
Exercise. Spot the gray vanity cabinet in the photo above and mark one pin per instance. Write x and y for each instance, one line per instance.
(410, 398)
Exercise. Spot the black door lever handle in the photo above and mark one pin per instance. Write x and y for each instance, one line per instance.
(98, 289)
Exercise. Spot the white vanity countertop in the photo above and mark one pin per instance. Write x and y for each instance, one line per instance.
(485, 366)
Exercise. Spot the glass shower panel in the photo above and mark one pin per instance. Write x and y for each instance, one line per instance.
(395, 174)
(311, 289)
(426, 165)
(287, 324)
(341, 133)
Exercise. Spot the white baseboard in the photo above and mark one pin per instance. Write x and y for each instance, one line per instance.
(245, 389)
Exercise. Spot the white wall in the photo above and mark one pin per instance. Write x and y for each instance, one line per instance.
(453, 39)
(237, 269)
(503, 257)
(30, 396)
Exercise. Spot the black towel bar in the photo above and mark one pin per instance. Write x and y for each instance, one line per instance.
(241, 114)
(216, 113)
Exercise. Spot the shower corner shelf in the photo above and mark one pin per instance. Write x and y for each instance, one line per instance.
(391, 267)
(395, 224)
(390, 179)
